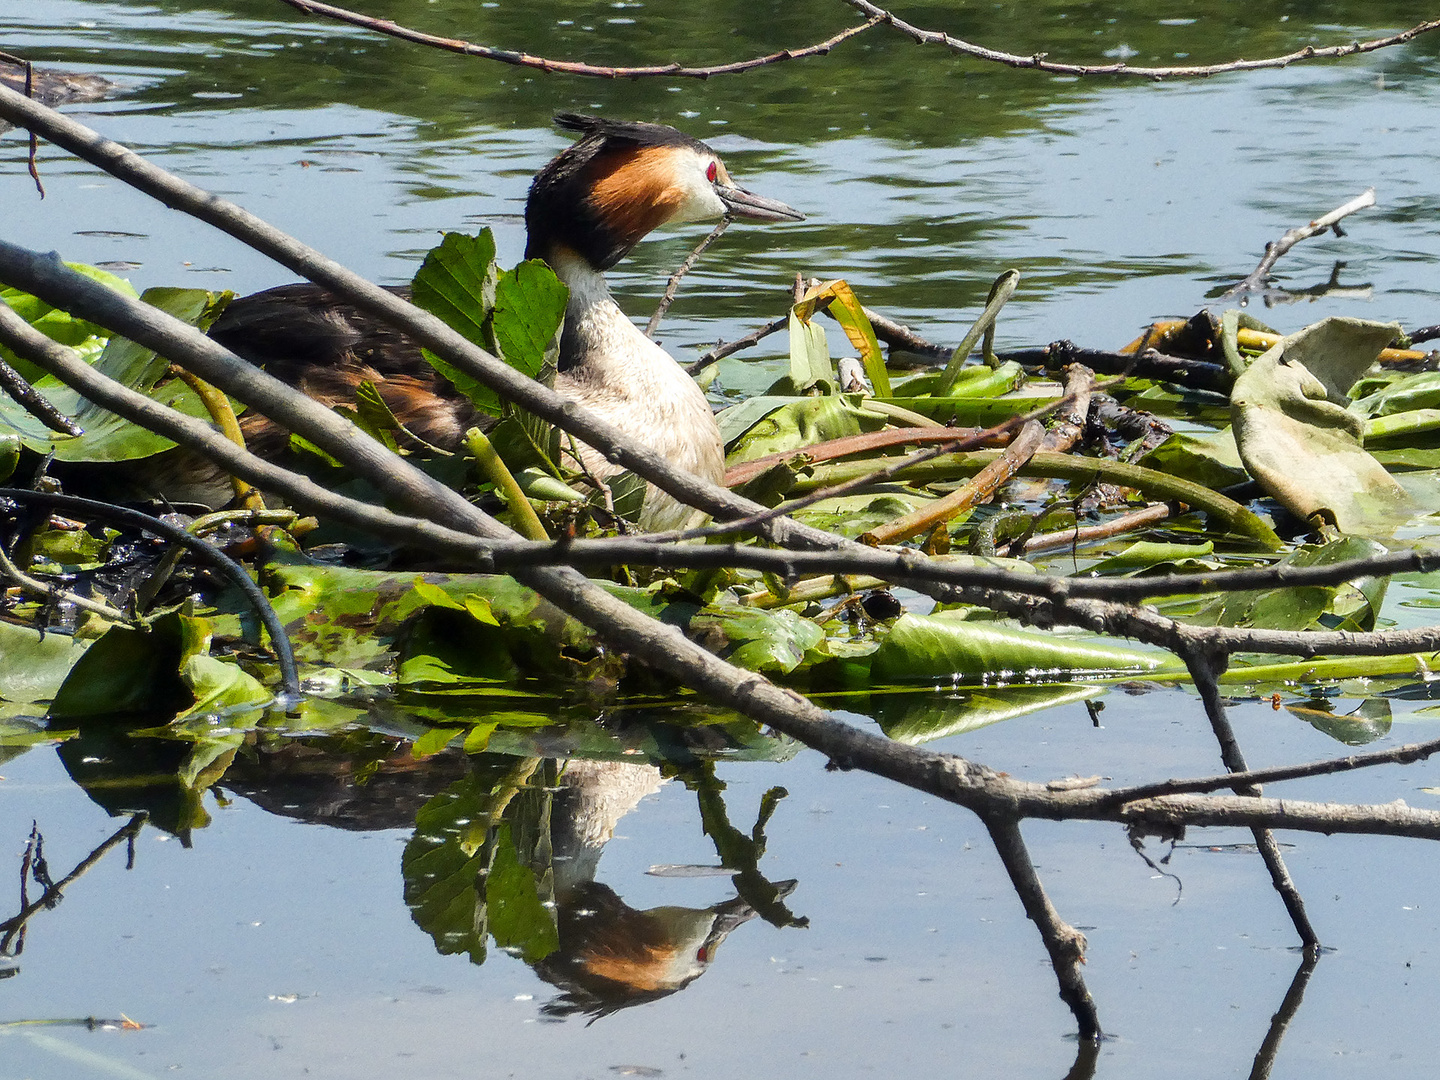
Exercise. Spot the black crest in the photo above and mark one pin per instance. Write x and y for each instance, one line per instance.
(558, 210)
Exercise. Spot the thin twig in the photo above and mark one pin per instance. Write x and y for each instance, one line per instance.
(1395, 755)
(722, 350)
(573, 67)
(34, 139)
(1088, 534)
(979, 488)
(1038, 61)
(35, 403)
(673, 285)
(846, 446)
(1257, 278)
(13, 925)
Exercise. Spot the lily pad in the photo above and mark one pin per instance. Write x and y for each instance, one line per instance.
(1299, 441)
(934, 647)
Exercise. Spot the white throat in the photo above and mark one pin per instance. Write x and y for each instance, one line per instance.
(615, 370)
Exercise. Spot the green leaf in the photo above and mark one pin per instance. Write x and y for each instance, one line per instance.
(220, 684)
(134, 671)
(1350, 607)
(470, 871)
(516, 314)
(936, 647)
(1368, 721)
(35, 663)
(1146, 554)
(478, 737)
(1298, 440)
(810, 365)
(978, 381)
(1420, 391)
(107, 436)
(1210, 459)
(457, 283)
(759, 640)
(529, 310)
(771, 425)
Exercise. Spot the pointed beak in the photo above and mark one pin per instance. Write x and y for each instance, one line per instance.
(750, 207)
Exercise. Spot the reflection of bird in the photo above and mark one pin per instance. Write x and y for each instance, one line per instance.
(585, 211)
(612, 956)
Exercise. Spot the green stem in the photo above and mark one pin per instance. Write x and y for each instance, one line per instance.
(493, 468)
(1000, 292)
(1155, 485)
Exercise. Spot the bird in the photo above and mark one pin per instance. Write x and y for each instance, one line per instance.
(585, 211)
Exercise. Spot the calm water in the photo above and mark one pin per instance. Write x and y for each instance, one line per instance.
(276, 946)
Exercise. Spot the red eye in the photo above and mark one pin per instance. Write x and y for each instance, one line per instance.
(712, 171)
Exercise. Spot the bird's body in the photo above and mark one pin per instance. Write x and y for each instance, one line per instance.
(586, 209)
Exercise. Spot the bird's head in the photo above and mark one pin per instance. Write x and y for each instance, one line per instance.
(623, 179)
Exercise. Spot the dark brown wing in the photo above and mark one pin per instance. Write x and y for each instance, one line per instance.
(307, 337)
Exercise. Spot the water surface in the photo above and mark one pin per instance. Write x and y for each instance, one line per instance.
(277, 945)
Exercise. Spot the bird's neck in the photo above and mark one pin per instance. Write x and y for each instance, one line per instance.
(596, 330)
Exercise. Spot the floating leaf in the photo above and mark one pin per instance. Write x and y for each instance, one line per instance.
(35, 663)
(936, 647)
(769, 425)
(134, 671)
(1298, 440)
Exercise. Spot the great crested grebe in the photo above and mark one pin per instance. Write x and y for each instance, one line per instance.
(585, 211)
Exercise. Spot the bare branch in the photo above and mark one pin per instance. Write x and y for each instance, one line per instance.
(574, 67)
(1063, 942)
(720, 351)
(673, 285)
(1038, 62)
(1088, 534)
(979, 488)
(1273, 251)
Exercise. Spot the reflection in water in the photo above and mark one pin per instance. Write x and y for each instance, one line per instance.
(510, 854)
(611, 955)
(33, 867)
(503, 848)
(1270, 1048)
(352, 782)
